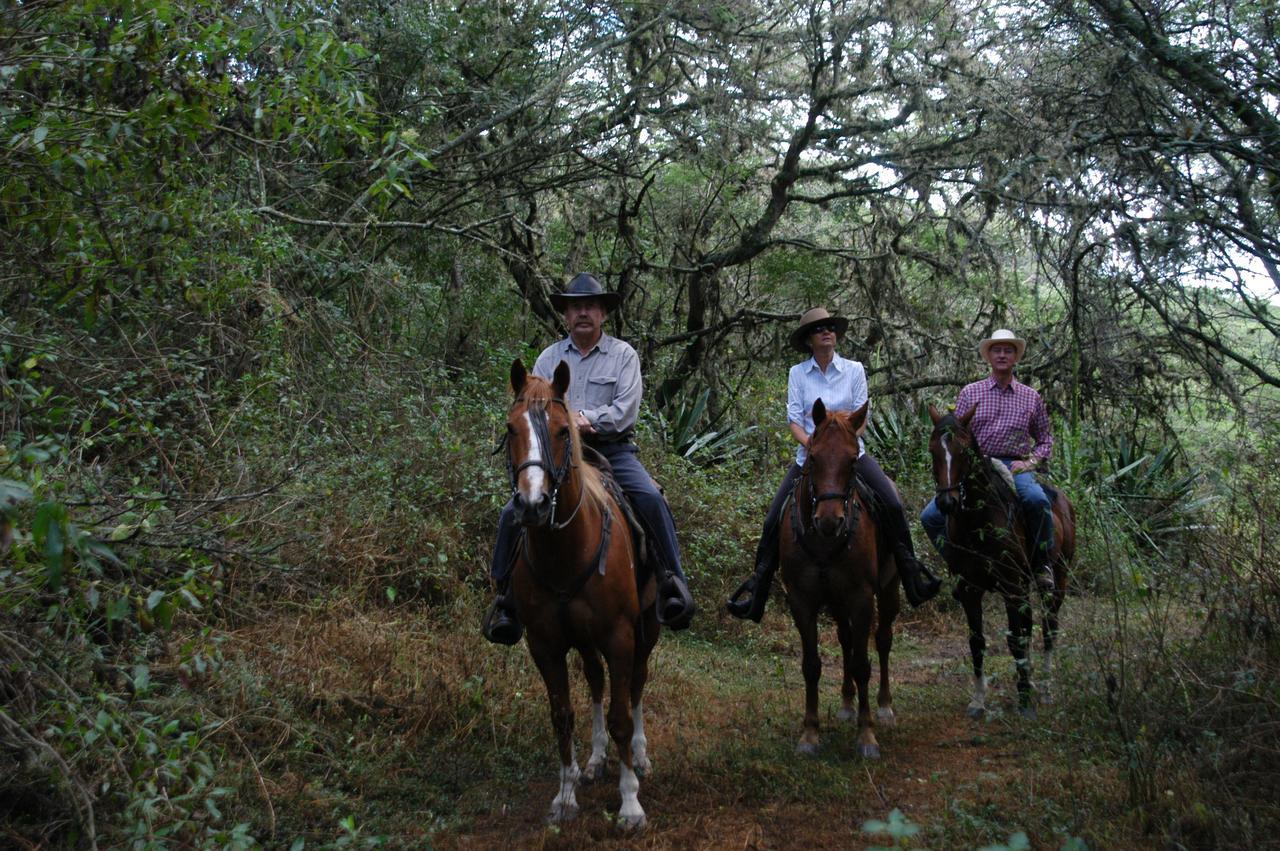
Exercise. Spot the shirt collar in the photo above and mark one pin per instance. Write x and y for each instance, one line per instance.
(811, 365)
(992, 384)
(602, 344)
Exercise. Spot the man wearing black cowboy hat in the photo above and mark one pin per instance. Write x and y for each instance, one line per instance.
(604, 392)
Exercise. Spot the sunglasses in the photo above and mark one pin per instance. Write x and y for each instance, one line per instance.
(818, 329)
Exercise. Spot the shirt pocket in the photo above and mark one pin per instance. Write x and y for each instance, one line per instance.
(600, 391)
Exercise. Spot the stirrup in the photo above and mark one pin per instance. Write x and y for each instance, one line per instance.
(500, 625)
(1044, 579)
(675, 604)
(752, 608)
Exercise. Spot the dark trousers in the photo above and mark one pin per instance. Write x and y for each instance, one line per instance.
(638, 486)
(889, 510)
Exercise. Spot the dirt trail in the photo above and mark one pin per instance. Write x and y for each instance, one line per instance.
(938, 766)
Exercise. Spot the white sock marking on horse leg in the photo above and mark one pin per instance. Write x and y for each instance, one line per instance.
(599, 742)
(979, 701)
(632, 814)
(565, 804)
(639, 744)
(1046, 678)
(532, 475)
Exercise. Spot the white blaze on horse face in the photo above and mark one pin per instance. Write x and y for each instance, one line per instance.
(946, 451)
(531, 478)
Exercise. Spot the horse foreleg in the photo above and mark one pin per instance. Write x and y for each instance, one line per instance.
(860, 627)
(1050, 630)
(811, 666)
(888, 603)
(621, 727)
(848, 686)
(594, 672)
(555, 674)
(639, 676)
(1018, 609)
(971, 600)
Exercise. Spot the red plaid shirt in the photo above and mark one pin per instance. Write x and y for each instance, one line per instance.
(1010, 422)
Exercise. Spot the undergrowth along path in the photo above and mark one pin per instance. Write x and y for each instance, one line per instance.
(724, 715)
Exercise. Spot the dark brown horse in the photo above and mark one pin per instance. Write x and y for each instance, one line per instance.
(575, 588)
(831, 560)
(987, 547)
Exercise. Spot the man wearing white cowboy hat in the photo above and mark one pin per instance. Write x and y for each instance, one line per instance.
(842, 385)
(604, 391)
(1011, 425)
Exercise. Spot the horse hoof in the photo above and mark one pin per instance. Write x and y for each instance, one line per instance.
(976, 712)
(871, 751)
(807, 749)
(631, 824)
(846, 714)
(593, 772)
(885, 717)
(1028, 712)
(560, 814)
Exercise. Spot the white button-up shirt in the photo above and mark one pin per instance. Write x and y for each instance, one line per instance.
(604, 383)
(843, 387)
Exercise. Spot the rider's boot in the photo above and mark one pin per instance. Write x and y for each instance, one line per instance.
(675, 604)
(919, 583)
(756, 587)
(501, 624)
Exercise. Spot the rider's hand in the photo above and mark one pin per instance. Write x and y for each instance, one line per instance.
(1021, 467)
(584, 425)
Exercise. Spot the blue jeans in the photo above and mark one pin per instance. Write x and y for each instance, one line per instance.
(638, 486)
(1037, 514)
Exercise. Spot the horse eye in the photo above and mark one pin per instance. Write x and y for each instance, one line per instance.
(564, 432)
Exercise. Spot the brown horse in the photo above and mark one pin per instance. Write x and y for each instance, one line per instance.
(575, 588)
(832, 560)
(987, 547)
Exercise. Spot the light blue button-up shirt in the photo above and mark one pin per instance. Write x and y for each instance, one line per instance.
(843, 387)
(604, 383)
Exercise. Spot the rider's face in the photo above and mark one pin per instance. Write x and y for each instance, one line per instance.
(584, 318)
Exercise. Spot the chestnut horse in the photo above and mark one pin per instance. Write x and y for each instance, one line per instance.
(575, 587)
(987, 547)
(832, 560)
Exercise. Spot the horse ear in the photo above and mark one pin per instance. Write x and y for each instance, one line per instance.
(560, 380)
(518, 376)
(858, 417)
(964, 421)
(819, 412)
(934, 414)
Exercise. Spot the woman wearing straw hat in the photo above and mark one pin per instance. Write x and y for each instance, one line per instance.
(842, 386)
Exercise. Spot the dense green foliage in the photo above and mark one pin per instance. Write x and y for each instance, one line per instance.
(264, 267)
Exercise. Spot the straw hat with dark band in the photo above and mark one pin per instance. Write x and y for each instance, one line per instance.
(1003, 335)
(585, 285)
(811, 319)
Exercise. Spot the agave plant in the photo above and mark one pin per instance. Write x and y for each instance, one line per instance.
(691, 434)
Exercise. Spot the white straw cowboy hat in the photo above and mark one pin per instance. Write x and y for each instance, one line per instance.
(585, 285)
(1002, 335)
(811, 319)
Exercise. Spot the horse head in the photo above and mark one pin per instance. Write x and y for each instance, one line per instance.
(953, 449)
(833, 449)
(541, 448)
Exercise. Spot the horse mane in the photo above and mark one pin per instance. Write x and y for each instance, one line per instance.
(842, 421)
(950, 422)
(537, 394)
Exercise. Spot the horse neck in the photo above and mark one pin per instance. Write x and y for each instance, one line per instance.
(567, 549)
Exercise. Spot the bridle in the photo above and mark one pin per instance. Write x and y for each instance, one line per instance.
(558, 473)
(949, 430)
(804, 534)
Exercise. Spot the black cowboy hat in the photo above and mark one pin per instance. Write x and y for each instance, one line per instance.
(585, 285)
(811, 319)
